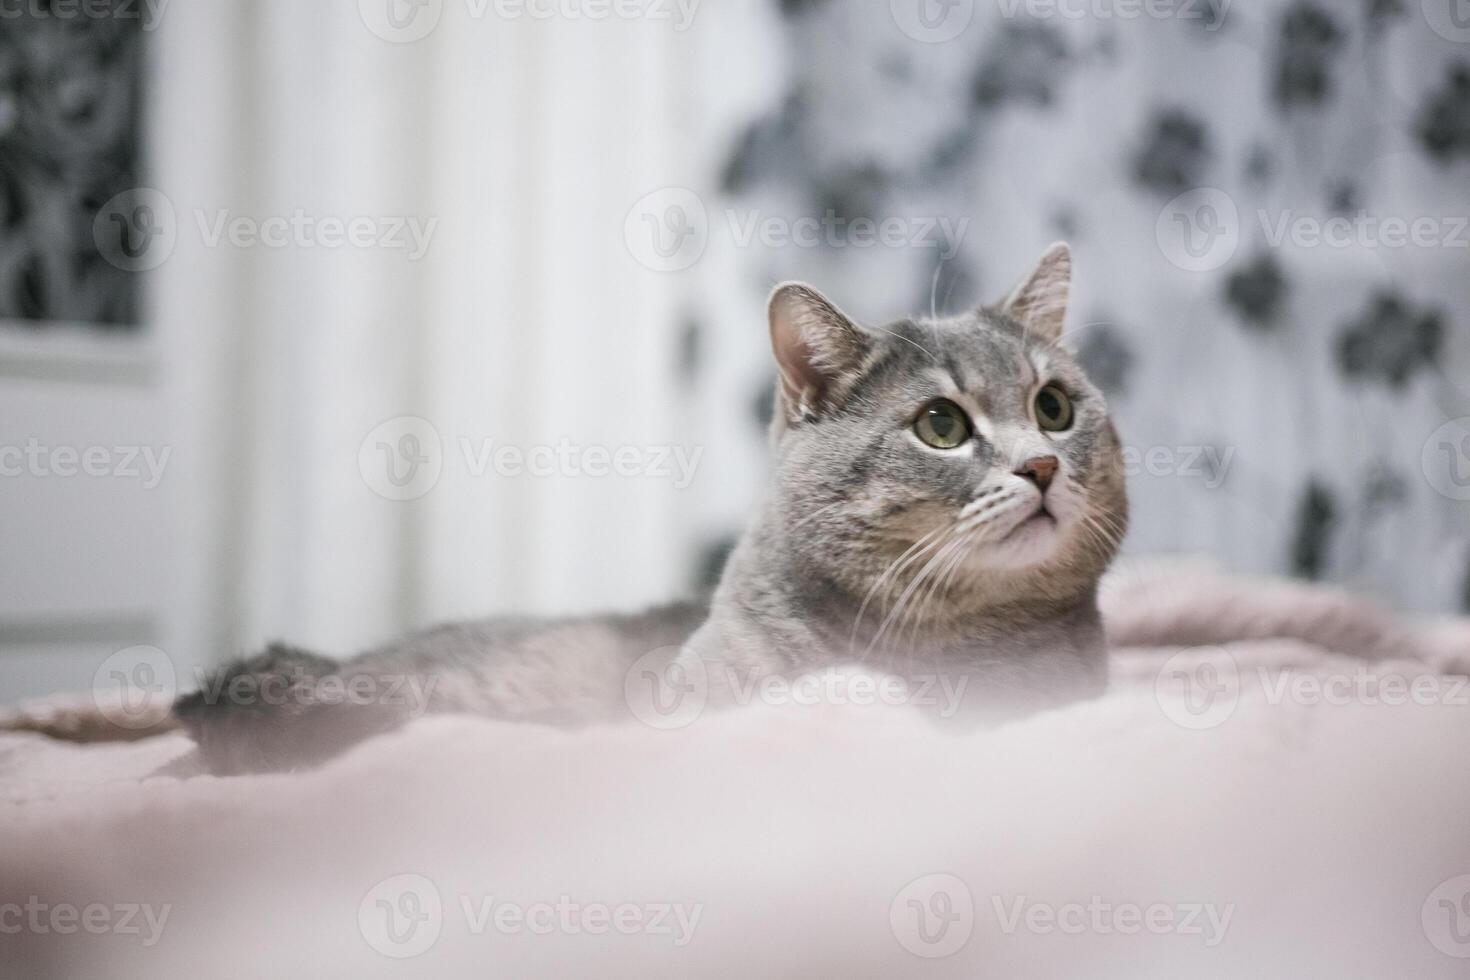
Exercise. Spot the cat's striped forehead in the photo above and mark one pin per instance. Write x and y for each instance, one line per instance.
(980, 353)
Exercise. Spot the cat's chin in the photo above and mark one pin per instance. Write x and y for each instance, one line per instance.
(1031, 542)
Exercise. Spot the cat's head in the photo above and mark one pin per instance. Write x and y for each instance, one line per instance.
(967, 449)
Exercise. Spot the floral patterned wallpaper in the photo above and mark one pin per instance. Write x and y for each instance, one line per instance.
(1245, 186)
(70, 93)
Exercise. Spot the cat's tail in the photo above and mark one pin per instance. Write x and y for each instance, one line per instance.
(280, 710)
(90, 720)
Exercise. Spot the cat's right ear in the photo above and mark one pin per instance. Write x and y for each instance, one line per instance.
(818, 350)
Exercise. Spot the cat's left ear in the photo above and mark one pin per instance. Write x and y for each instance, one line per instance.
(1040, 303)
(818, 350)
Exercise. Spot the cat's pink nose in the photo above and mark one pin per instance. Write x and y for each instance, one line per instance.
(1039, 470)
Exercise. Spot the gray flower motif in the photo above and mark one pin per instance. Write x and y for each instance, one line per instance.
(1316, 518)
(1175, 153)
(1380, 12)
(1106, 357)
(1443, 125)
(1390, 341)
(1260, 165)
(1344, 198)
(767, 147)
(795, 8)
(1465, 586)
(1384, 489)
(1023, 64)
(1257, 291)
(1308, 41)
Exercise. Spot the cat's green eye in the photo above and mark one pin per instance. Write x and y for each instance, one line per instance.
(943, 425)
(1053, 409)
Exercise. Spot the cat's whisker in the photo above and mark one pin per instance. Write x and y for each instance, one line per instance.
(903, 606)
(908, 592)
(1107, 539)
(1062, 337)
(1092, 541)
(987, 501)
(894, 569)
(934, 292)
(959, 550)
(920, 608)
(906, 340)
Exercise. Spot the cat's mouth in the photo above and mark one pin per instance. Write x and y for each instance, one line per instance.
(1037, 519)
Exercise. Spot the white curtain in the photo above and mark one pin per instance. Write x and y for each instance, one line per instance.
(527, 322)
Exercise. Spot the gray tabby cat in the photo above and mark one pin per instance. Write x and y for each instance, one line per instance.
(945, 499)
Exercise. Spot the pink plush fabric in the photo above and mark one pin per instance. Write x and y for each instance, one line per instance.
(1327, 836)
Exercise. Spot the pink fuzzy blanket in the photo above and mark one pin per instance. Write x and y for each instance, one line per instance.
(1276, 786)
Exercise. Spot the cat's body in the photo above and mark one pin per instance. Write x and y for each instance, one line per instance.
(945, 500)
(908, 560)
(272, 711)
